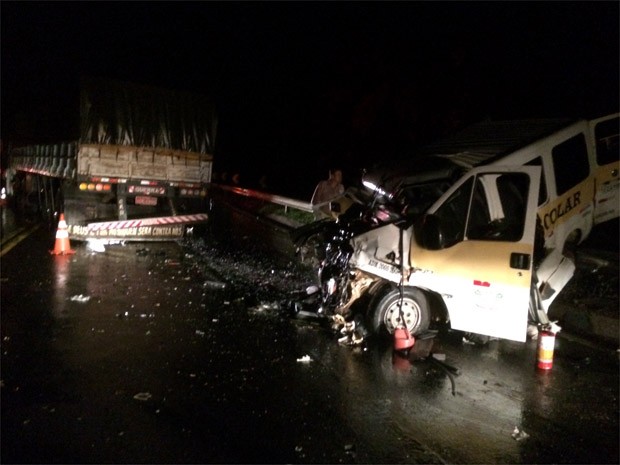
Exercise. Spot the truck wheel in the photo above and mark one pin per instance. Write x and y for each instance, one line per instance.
(385, 314)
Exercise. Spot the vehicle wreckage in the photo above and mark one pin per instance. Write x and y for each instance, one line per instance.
(477, 231)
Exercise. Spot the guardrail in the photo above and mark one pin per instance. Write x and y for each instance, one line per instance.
(290, 212)
(272, 198)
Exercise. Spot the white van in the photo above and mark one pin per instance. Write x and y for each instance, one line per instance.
(485, 220)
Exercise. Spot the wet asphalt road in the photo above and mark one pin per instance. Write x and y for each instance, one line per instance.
(186, 353)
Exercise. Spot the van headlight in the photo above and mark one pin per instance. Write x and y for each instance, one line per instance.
(377, 189)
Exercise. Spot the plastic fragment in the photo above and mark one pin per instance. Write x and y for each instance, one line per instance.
(95, 245)
(214, 284)
(270, 305)
(352, 335)
(143, 396)
(312, 290)
(266, 306)
(519, 435)
(80, 298)
(304, 359)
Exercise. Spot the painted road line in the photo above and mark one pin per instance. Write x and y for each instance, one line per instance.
(15, 239)
(7, 237)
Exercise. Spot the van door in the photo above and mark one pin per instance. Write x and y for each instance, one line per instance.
(475, 249)
(605, 139)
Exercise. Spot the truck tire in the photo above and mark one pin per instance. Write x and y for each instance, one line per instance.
(385, 315)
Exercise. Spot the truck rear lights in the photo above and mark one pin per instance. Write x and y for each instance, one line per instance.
(96, 187)
(192, 192)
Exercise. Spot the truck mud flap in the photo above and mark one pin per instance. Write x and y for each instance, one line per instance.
(144, 229)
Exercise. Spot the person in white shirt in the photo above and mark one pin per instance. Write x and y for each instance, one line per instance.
(327, 190)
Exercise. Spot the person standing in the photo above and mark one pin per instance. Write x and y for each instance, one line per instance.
(327, 190)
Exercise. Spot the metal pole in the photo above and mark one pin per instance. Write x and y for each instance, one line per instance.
(52, 195)
(38, 194)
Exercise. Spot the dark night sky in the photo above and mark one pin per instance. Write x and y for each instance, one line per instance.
(300, 84)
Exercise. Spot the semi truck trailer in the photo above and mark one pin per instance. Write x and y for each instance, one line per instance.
(140, 169)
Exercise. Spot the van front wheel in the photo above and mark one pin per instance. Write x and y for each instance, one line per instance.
(385, 315)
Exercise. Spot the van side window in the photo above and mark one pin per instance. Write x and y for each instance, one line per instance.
(498, 207)
(542, 192)
(606, 135)
(491, 206)
(570, 163)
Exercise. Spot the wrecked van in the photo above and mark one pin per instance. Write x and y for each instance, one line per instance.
(476, 230)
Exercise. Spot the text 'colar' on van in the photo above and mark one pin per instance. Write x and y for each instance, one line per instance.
(476, 230)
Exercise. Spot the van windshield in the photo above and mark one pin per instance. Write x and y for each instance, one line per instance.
(418, 198)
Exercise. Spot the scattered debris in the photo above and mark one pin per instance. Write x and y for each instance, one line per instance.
(304, 359)
(142, 252)
(554, 327)
(312, 290)
(353, 333)
(270, 305)
(80, 298)
(143, 396)
(338, 322)
(353, 336)
(519, 435)
(95, 245)
(265, 306)
(297, 310)
(214, 284)
(477, 339)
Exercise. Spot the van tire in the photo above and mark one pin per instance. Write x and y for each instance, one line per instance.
(384, 311)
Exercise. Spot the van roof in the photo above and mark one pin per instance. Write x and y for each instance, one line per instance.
(486, 141)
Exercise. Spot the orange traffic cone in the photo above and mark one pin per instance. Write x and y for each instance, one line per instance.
(62, 246)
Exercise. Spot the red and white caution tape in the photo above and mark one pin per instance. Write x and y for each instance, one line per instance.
(164, 220)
